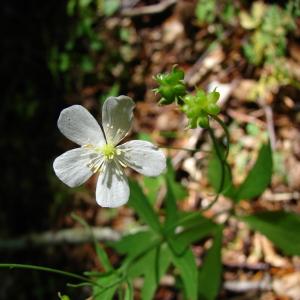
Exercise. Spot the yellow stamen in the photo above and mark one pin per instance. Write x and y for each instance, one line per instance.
(108, 151)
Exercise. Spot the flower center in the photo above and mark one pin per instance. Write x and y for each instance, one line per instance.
(108, 151)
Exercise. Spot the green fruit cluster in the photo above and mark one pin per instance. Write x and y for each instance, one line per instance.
(198, 107)
(171, 86)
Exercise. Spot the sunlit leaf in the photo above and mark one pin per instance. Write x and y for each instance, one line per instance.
(282, 228)
(108, 7)
(152, 186)
(259, 176)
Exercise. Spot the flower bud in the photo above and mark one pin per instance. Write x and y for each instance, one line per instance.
(171, 86)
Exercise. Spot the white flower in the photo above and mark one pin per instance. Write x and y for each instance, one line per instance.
(100, 152)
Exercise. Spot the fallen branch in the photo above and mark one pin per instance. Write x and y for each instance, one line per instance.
(64, 236)
(148, 10)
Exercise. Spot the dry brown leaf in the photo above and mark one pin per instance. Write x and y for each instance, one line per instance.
(288, 285)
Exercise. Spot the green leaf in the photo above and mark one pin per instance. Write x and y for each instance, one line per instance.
(63, 297)
(113, 91)
(133, 244)
(195, 230)
(259, 176)
(179, 191)
(110, 284)
(214, 173)
(101, 254)
(188, 272)
(171, 208)
(211, 270)
(152, 266)
(84, 3)
(129, 292)
(152, 186)
(87, 64)
(193, 227)
(140, 203)
(110, 7)
(282, 228)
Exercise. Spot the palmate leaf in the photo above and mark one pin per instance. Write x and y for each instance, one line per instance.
(134, 244)
(152, 267)
(193, 227)
(109, 287)
(210, 271)
(282, 228)
(146, 257)
(259, 176)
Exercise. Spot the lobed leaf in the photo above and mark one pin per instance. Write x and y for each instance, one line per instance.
(140, 203)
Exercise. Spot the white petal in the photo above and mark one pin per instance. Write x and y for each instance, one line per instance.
(112, 187)
(78, 125)
(71, 167)
(143, 157)
(117, 118)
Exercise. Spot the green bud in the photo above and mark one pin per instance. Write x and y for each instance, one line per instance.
(213, 97)
(212, 109)
(63, 297)
(166, 93)
(203, 121)
(176, 75)
(198, 107)
(171, 86)
(179, 89)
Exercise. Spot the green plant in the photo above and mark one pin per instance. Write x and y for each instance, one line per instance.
(268, 26)
(163, 243)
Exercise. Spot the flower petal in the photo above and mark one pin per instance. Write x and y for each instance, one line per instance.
(112, 187)
(78, 125)
(117, 118)
(143, 157)
(71, 167)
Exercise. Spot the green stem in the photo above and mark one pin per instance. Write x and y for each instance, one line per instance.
(184, 149)
(223, 164)
(45, 269)
(123, 270)
(227, 134)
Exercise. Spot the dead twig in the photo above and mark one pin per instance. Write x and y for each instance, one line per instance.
(243, 286)
(64, 236)
(149, 9)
